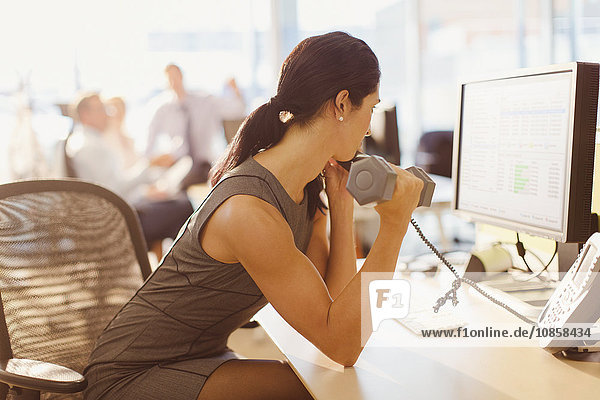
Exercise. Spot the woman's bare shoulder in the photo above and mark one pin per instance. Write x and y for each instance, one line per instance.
(238, 223)
(245, 208)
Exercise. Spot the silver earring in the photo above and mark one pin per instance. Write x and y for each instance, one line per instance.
(341, 119)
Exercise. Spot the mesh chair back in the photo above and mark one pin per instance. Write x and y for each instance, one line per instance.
(71, 255)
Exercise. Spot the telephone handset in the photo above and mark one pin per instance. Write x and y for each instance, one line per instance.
(575, 300)
(372, 179)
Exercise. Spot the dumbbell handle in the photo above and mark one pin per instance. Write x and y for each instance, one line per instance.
(357, 157)
(372, 179)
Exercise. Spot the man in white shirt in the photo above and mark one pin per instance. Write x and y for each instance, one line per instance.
(94, 159)
(190, 124)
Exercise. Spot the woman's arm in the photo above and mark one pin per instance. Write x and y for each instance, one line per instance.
(254, 233)
(341, 264)
(318, 246)
(334, 256)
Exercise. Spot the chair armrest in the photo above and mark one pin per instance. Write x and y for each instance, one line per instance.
(42, 376)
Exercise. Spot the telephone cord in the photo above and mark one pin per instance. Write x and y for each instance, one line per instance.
(451, 294)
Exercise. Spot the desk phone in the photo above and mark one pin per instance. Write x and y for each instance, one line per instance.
(576, 299)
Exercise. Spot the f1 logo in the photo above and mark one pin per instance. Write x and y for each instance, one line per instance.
(388, 299)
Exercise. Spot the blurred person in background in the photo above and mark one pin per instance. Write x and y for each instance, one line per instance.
(116, 133)
(119, 138)
(190, 124)
(94, 159)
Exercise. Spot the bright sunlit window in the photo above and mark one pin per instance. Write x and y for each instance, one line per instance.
(52, 49)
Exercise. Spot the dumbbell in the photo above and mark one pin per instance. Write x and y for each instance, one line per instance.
(372, 179)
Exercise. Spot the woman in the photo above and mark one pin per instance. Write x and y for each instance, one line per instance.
(261, 237)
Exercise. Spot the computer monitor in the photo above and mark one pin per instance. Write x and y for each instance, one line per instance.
(384, 134)
(523, 152)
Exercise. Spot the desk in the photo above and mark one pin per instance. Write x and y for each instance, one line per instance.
(435, 373)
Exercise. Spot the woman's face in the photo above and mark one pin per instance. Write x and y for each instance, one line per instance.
(357, 124)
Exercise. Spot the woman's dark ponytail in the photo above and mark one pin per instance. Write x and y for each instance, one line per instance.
(314, 73)
(261, 130)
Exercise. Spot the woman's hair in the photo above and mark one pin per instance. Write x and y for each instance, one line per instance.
(316, 70)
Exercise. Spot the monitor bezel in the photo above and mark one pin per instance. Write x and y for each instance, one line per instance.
(568, 231)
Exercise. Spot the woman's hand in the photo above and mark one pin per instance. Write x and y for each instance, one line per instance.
(336, 178)
(405, 198)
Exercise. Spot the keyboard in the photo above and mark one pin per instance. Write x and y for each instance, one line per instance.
(423, 318)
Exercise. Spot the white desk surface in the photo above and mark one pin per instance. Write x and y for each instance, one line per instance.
(435, 373)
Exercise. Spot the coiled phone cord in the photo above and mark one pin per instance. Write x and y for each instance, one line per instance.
(451, 294)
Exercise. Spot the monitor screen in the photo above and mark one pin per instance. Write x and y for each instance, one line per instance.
(525, 149)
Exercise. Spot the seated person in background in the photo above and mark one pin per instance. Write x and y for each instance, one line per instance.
(94, 159)
(189, 124)
(116, 133)
(117, 136)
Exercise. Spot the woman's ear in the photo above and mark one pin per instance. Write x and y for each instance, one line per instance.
(342, 103)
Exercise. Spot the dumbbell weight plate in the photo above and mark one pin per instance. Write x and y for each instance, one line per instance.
(372, 179)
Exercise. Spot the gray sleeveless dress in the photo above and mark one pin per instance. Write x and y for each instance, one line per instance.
(167, 340)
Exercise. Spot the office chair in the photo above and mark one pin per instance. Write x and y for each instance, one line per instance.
(71, 255)
(69, 169)
(434, 153)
